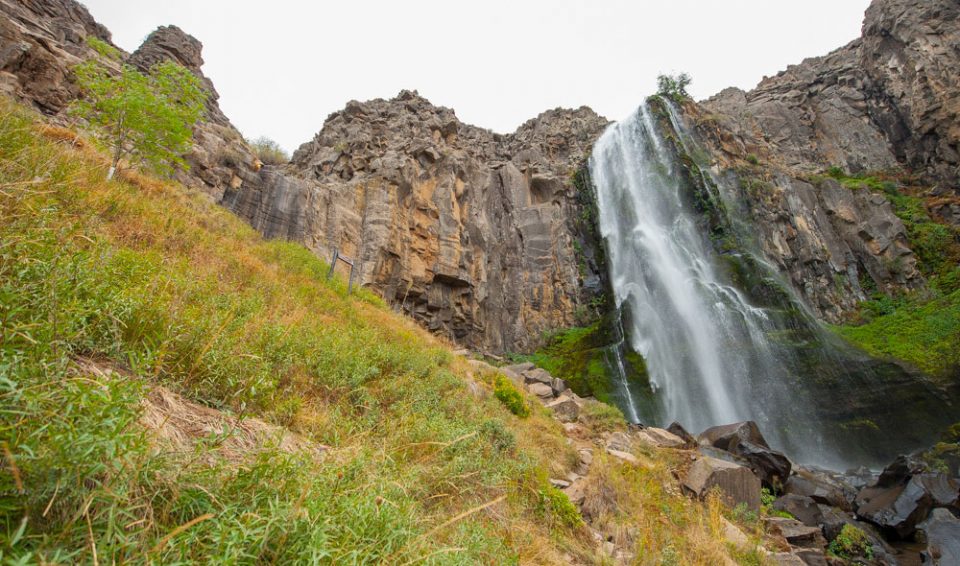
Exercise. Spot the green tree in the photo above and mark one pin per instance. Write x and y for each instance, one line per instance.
(674, 86)
(147, 116)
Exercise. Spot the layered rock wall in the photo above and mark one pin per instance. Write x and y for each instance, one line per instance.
(474, 234)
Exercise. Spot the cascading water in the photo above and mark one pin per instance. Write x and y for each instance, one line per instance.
(714, 354)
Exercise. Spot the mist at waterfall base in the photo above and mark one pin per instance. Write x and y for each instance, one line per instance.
(716, 355)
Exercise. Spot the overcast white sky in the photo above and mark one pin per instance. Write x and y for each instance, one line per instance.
(282, 66)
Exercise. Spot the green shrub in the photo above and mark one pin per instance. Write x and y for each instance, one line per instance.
(559, 507)
(851, 543)
(674, 86)
(512, 399)
(147, 116)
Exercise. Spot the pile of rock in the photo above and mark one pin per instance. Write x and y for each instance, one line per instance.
(908, 506)
(906, 503)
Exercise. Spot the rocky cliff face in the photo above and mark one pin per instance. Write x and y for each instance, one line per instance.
(889, 99)
(887, 102)
(474, 234)
(482, 237)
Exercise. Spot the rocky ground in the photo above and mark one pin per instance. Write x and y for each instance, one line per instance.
(907, 514)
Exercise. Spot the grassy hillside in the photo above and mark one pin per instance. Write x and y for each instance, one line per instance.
(402, 454)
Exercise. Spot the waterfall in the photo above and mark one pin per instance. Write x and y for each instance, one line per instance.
(714, 354)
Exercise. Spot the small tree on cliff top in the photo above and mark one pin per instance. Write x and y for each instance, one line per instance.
(674, 86)
(148, 116)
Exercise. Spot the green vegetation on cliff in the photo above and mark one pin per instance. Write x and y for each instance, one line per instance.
(583, 357)
(919, 327)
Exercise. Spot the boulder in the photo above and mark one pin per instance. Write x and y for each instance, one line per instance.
(564, 409)
(677, 429)
(625, 456)
(812, 556)
(796, 533)
(832, 520)
(558, 385)
(745, 440)
(802, 508)
(941, 532)
(773, 467)
(900, 471)
(737, 484)
(660, 438)
(896, 508)
(538, 375)
(619, 441)
(943, 489)
(735, 536)
(519, 368)
(821, 488)
(786, 559)
(541, 390)
(904, 495)
(726, 437)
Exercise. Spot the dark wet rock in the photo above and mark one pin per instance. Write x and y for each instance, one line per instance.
(904, 494)
(745, 440)
(895, 508)
(941, 533)
(737, 484)
(859, 478)
(820, 487)
(944, 490)
(676, 428)
(900, 471)
(803, 508)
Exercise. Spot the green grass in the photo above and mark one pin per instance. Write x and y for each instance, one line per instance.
(174, 291)
(180, 293)
(922, 332)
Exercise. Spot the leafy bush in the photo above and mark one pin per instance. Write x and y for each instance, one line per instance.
(559, 507)
(851, 543)
(269, 151)
(512, 399)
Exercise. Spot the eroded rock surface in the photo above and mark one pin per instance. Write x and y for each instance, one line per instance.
(888, 101)
(474, 234)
